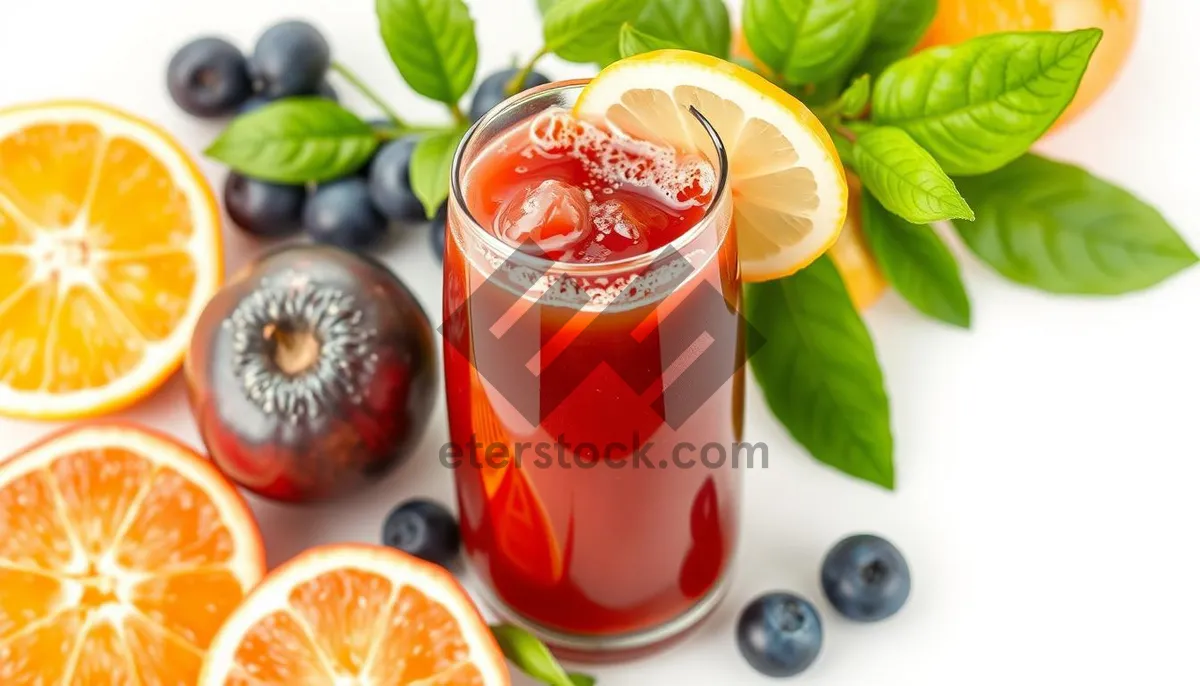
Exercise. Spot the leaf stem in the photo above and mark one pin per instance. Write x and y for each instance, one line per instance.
(456, 112)
(351, 78)
(515, 86)
(844, 143)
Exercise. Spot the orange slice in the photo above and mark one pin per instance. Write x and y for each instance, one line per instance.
(121, 553)
(854, 259)
(523, 533)
(789, 186)
(356, 615)
(109, 249)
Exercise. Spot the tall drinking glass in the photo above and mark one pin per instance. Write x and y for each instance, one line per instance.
(594, 410)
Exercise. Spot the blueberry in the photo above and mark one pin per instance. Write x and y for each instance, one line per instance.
(252, 104)
(327, 91)
(494, 90)
(340, 213)
(780, 634)
(290, 58)
(390, 188)
(424, 529)
(866, 578)
(437, 233)
(208, 78)
(263, 208)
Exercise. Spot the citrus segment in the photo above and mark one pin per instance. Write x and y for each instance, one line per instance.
(126, 552)
(789, 187)
(154, 651)
(190, 605)
(48, 169)
(152, 290)
(352, 614)
(136, 207)
(109, 249)
(41, 652)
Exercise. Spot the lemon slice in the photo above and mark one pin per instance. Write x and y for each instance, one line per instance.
(789, 187)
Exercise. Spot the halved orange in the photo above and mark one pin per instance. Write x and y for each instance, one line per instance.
(356, 614)
(109, 248)
(121, 554)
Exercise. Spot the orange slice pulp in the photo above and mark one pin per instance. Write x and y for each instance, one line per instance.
(121, 553)
(360, 615)
(109, 248)
(523, 533)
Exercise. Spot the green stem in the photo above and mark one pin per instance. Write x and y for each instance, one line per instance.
(844, 142)
(460, 119)
(515, 86)
(350, 77)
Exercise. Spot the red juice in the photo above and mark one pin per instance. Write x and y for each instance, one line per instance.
(579, 372)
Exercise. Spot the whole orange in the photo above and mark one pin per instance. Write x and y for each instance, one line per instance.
(960, 20)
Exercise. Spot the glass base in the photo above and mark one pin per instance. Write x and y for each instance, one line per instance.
(591, 648)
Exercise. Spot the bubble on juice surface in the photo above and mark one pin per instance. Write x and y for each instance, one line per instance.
(679, 179)
(549, 217)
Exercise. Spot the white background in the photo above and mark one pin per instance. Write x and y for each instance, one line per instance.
(1047, 459)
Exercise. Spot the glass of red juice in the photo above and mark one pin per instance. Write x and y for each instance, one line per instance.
(594, 374)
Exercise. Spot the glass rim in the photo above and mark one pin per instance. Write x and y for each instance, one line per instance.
(545, 265)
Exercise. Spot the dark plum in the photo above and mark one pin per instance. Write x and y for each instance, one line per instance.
(341, 213)
(424, 529)
(866, 578)
(263, 208)
(389, 183)
(208, 78)
(290, 58)
(311, 374)
(780, 634)
(494, 90)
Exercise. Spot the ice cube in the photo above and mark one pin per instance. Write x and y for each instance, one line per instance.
(551, 215)
(624, 226)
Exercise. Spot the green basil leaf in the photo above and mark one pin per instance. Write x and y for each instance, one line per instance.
(545, 5)
(854, 100)
(898, 29)
(296, 140)
(634, 42)
(699, 25)
(1055, 227)
(806, 41)
(906, 178)
(917, 263)
(430, 168)
(587, 30)
(432, 43)
(818, 371)
(979, 105)
(531, 656)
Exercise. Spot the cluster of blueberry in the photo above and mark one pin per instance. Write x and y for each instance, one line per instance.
(865, 578)
(210, 78)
